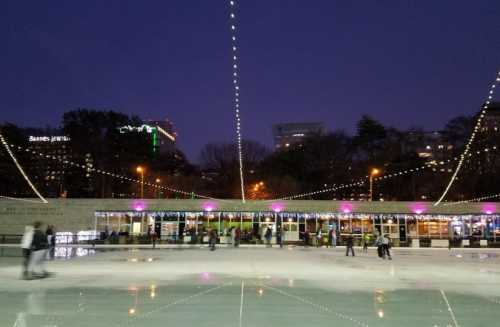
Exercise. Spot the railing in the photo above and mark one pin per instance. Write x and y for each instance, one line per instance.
(130, 239)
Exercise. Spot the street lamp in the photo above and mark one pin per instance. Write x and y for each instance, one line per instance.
(373, 173)
(140, 170)
(157, 181)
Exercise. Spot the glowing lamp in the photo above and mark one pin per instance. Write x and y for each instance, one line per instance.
(139, 205)
(277, 207)
(488, 208)
(209, 206)
(418, 208)
(346, 207)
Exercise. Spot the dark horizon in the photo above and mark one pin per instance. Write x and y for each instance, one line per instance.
(404, 64)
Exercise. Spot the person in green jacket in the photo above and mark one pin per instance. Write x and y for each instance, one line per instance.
(366, 241)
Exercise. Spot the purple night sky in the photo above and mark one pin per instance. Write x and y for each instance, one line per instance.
(406, 63)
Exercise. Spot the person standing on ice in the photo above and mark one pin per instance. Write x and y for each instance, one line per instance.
(237, 237)
(333, 239)
(349, 245)
(212, 239)
(386, 245)
(366, 241)
(26, 247)
(268, 235)
(379, 243)
(233, 237)
(39, 248)
(319, 237)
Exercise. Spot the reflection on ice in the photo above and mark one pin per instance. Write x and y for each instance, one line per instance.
(71, 252)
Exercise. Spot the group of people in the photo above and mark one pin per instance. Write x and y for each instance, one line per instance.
(382, 242)
(37, 247)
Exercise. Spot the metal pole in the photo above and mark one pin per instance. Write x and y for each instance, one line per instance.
(371, 188)
(142, 184)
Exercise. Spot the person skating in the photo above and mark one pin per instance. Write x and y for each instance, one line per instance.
(319, 237)
(379, 243)
(237, 237)
(282, 237)
(333, 237)
(26, 247)
(212, 239)
(268, 236)
(39, 248)
(366, 241)
(306, 237)
(386, 247)
(349, 245)
(51, 241)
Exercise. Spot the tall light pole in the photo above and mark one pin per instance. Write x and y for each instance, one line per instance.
(140, 170)
(158, 181)
(374, 172)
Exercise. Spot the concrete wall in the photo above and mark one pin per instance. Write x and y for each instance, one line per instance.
(78, 214)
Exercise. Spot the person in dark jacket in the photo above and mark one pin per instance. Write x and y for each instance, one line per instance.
(51, 241)
(26, 246)
(268, 236)
(212, 239)
(39, 248)
(349, 245)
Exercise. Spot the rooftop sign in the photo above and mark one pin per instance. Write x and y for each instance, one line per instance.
(49, 138)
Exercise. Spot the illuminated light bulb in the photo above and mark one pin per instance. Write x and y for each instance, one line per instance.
(131, 311)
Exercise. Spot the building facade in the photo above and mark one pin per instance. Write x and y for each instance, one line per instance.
(293, 134)
(50, 169)
(179, 220)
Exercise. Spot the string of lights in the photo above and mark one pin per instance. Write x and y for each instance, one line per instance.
(487, 197)
(236, 86)
(471, 139)
(21, 170)
(430, 165)
(104, 172)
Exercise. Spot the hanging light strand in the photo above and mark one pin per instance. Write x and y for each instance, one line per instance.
(471, 139)
(429, 165)
(487, 197)
(21, 170)
(236, 90)
(90, 169)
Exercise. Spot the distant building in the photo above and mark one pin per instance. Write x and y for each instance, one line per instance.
(491, 121)
(50, 168)
(160, 133)
(294, 134)
(167, 136)
(428, 145)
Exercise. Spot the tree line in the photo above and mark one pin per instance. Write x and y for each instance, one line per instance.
(322, 161)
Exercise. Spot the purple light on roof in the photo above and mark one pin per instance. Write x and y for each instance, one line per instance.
(346, 207)
(488, 208)
(277, 207)
(209, 206)
(418, 208)
(138, 205)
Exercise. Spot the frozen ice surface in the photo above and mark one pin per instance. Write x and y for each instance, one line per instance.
(257, 287)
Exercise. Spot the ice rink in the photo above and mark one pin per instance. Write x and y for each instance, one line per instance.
(257, 287)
